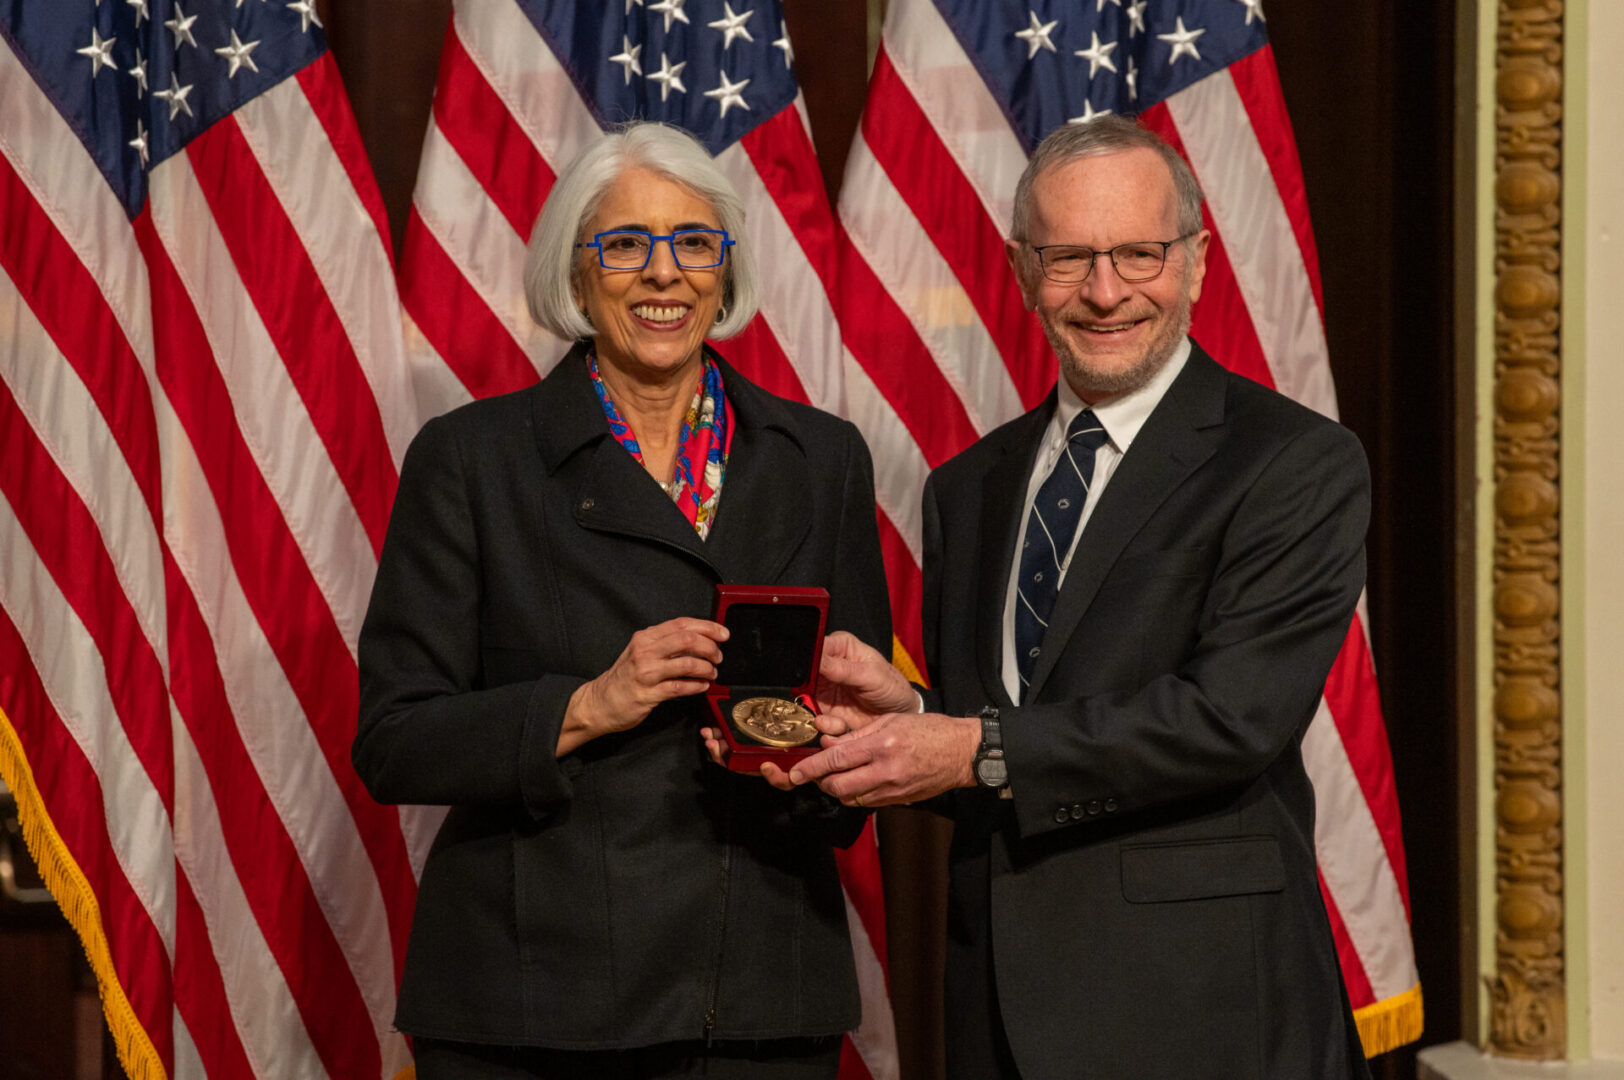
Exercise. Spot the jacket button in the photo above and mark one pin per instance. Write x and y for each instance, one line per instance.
(587, 504)
(1093, 808)
(1061, 817)
(1077, 812)
(1110, 806)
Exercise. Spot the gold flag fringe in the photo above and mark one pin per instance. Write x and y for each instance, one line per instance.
(78, 902)
(904, 663)
(1390, 1023)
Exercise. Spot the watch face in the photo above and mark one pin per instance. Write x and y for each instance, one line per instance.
(991, 772)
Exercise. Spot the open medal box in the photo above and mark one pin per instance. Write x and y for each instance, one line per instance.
(762, 697)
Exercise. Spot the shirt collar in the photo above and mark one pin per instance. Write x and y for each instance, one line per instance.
(1123, 416)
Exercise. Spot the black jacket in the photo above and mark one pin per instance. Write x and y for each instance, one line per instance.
(1147, 904)
(632, 892)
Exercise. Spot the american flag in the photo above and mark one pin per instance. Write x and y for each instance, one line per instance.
(523, 85)
(203, 401)
(962, 91)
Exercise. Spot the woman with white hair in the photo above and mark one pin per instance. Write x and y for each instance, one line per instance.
(603, 900)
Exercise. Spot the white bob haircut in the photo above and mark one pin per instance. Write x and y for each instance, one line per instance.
(553, 264)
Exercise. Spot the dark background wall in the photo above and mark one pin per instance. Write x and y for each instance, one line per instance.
(1372, 90)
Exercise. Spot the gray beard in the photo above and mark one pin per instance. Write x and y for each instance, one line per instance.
(1083, 378)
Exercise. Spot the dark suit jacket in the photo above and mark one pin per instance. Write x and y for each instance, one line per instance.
(1147, 904)
(620, 896)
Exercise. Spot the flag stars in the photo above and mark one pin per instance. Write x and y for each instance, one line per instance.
(238, 53)
(732, 25)
(1099, 5)
(629, 4)
(306, 10)
(141, 11)
(671, 9)
(1136, 16)
(669, 77)
(783, 43)
(729, 94)
(138, 72)
(1036, 35)
(99, 51)
(1098, 55)
(1253, 7)
(1089, 113)
(1132, 79)
(181, 27)
(176, 96)
(139, 143)
(1182, 40)
(628, 58)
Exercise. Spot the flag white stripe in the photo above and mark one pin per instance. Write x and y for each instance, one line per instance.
(188, 1065)
(268, 409)
(262, 1008)
(949, 90)
(435, 387)
(276, 734)
(64, 416)
(476, 237)
(900, 467)
(50, 159)
(288, 140)
(1354, 863)
(71, 669)
(521, 68)
(793, 300)
(896, 247)
(876, 1036)
(1262, 247)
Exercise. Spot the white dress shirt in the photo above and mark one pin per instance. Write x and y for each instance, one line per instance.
(1121, 417)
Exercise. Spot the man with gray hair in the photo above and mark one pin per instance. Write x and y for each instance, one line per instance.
(1133, 596)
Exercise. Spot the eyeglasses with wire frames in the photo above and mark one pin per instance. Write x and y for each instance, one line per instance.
(631, 249)
(1069, 264)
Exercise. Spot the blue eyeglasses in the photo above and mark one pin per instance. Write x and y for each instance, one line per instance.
(630, 249)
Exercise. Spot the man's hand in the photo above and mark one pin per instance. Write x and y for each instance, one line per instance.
(857, 683)
(895, 758)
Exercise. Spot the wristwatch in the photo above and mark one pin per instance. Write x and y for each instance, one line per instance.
(989, 760)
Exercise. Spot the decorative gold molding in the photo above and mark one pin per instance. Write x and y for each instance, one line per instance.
(1528, 993)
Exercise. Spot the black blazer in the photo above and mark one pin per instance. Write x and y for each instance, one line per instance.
(631, 893)
(1148, 901)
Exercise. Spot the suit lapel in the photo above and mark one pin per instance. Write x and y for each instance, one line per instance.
(1181, 433)
(763, 517)
(1003, 498)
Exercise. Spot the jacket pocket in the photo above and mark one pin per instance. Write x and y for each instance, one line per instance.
(1159, 873)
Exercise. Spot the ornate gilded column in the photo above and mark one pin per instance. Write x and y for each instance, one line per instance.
(1529, 1017)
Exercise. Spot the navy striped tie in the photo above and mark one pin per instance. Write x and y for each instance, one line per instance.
(1049, 530)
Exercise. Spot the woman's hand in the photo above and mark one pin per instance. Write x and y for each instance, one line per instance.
(669, 660)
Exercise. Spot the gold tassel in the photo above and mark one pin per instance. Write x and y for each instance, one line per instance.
(78, 902)
(904, 663)
(1390, 1023)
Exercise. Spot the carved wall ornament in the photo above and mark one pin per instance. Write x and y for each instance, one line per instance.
(1528, 1016)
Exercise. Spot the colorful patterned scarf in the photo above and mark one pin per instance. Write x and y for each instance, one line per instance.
(707, 436)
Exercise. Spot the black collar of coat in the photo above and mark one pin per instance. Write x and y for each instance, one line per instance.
(761, 519)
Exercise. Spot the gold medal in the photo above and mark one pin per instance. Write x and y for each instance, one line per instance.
(775, 721)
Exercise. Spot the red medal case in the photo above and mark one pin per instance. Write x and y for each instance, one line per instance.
(774, 648)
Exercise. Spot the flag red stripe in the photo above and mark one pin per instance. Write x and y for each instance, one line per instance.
(1257, 81)
(68, 787)
(66, 300)
(263, 855)
(883, 340)
(278, 584)
(756, 352)
(907, 589)
(1221, 321)
(860, 873)
(283, 284)
(456, 320)
(930, 181)
(852, 1065)
(781, 152)
(200, 993)
(324, 89)
(1354, 978)
(1350, 693)
(66, 539)
(490, 142)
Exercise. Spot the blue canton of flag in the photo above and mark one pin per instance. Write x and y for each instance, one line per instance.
(718, 74)
(139, 79)
(1053, 61)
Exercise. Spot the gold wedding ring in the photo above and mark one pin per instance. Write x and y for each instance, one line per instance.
(857, 800)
